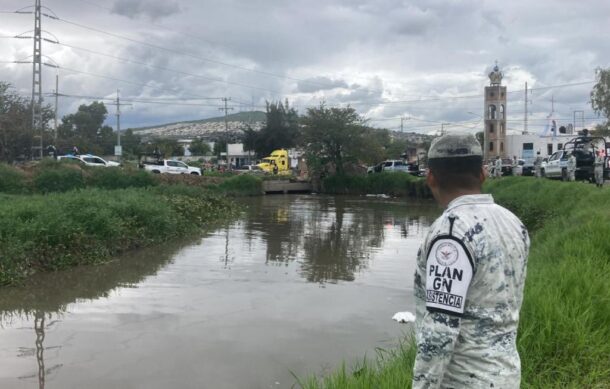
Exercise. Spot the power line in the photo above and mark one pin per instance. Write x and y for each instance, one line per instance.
(150, 23)
(167, 69)
(203, 59)
(135, 100)
(437, 99)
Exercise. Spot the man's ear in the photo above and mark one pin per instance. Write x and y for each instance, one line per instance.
(430, 179)
(482, 175)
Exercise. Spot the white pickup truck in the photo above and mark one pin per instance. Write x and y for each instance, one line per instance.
(556, 166)
(169, 166)
(89, 160)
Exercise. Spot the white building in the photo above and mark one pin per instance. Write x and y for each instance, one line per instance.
(237, 156)
(525, 146)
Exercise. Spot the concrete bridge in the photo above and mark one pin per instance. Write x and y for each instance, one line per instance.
(285, 186)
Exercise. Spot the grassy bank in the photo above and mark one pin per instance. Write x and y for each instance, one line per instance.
(54, 215)
(565, 317)
(58, 230)
(393, 184)
(51, 177)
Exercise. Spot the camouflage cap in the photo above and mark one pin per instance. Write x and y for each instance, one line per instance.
(455, 146)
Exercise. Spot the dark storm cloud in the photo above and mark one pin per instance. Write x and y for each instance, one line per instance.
(315, 84)
(153, 9)
(378, 56)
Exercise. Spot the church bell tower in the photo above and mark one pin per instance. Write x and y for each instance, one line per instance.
(495, 116)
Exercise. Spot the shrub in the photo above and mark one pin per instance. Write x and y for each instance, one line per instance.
(58, 178)
(242, 185)
(393, 184)
(12, 180)
(118, 178)
(58, 230)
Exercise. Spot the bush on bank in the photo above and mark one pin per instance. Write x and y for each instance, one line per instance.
(393, 184)
(242, 185)
(58, 230)
(51, 176)
(11, 180)
(565, 317)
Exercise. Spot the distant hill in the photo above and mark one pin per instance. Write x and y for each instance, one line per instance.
(246, 117)
(204, 127)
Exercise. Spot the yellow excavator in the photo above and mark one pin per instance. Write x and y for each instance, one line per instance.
(276, 163)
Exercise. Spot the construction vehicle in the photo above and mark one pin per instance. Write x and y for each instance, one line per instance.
(276, 163)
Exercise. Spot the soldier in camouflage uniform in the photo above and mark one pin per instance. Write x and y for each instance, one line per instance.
(469, 278)
(572, 167)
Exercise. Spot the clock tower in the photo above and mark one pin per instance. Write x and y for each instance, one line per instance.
(495, 116)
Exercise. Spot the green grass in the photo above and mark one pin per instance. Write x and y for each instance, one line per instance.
(12, 180)
(242, 185)
(58, 230)
(564, 330)
(393, 184)
(51, 176)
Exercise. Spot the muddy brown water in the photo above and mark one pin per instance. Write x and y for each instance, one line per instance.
(296, 286)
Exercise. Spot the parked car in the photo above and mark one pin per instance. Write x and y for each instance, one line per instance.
(89, 160)
(507, 167)
(395, 166)
(519, 168)
(169, 166)
(250, 169)
(557, 165)
(527, 167)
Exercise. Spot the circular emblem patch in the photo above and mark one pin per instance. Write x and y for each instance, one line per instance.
(446, 253)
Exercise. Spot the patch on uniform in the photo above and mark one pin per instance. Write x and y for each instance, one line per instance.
(449, 271)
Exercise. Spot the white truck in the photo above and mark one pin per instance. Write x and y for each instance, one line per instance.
(394, 166)
(88, 160)
(169, 166)
(556, 166)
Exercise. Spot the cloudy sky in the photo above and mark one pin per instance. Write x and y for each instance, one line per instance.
(426, 60)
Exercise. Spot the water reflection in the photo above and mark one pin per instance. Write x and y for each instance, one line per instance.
(331, 238)
(191, 299)
(45, 297)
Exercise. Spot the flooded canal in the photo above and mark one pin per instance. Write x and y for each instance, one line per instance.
(296, 286)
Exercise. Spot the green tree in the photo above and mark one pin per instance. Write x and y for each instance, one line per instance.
(85, 129)
(86, 123)
(167, 147)
(395, 148)
(249, 138)
(281, 129)
(199, 147)
(601, 130)
(334, 136)
(220, 146)
(131, 142)
(600, 97)
(16, 136)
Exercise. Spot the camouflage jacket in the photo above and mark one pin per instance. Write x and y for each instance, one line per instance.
(468, 290)
(571, 163)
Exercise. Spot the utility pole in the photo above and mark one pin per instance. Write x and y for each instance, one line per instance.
(56, 99)
(402, 120)
(118, 150)
(442, 129)
(37, 125)
(525, 115)
(226, 110)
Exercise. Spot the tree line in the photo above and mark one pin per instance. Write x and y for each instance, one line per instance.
(330, 136)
